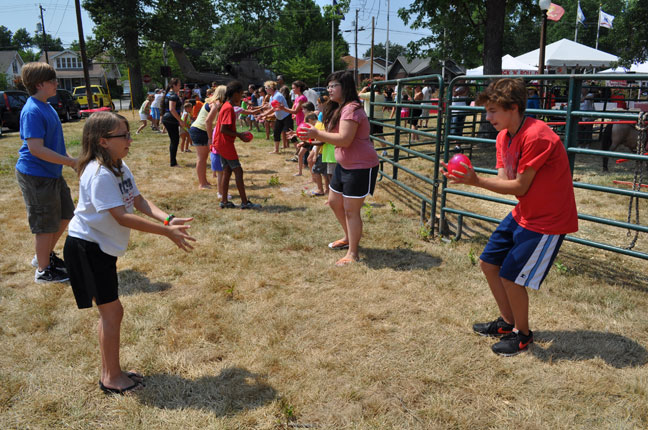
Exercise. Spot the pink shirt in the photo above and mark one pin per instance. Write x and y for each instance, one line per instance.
(361, 153)
(299, 116)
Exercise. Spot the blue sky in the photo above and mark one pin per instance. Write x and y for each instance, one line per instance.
(60, 20)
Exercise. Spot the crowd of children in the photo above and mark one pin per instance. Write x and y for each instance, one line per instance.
(531, 162)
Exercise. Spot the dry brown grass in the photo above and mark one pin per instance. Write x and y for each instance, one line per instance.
(257, 330)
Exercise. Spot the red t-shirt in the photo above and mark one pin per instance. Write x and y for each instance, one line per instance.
(548, 207)
(225, 143)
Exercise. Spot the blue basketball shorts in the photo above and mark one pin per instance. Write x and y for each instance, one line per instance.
(524, 256)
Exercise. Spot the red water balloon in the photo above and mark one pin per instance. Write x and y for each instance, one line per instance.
(455, 163)
(302, 129)
(247, 136)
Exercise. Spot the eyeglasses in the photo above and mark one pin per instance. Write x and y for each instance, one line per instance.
(331, 86)
(126, 135)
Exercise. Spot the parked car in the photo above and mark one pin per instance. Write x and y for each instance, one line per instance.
(322, 91)
(65, 105)
(11, 103)
(100, 97)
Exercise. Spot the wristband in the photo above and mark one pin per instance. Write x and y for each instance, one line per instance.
(168, 219)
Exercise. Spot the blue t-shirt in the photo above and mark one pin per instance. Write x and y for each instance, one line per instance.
(39, 120)
(280, 114)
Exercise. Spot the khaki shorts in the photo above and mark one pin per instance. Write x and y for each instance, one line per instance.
(48, 201)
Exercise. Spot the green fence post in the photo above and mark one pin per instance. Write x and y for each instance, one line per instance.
(397, 131)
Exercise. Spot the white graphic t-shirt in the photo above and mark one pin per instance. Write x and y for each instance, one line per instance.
(99, 191)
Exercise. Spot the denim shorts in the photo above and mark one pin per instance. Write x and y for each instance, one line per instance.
(48, 201)
(216, 164)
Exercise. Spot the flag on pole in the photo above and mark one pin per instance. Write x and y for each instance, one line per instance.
(555, 12)
(605, 19)
(580, 16)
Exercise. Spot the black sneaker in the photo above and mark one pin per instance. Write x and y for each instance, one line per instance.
(50, 274)
(57, 262)
(496, 328)
(227, 205)
(54, 261)
(513, 344)
(250, 205)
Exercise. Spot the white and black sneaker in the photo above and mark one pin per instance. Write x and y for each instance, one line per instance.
(50, 274)
(54, 261)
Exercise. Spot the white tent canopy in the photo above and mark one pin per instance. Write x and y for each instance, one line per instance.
(510, 66)
(636, 68)
(567, 53)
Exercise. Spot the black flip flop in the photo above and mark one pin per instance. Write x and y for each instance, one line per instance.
(137, 377)
(121, 392)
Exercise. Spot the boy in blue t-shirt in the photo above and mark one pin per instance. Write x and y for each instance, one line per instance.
(38, 171)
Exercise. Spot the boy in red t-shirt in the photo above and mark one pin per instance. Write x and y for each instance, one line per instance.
(225, 134)
(532, 165)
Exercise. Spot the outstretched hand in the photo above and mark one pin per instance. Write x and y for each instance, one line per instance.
(177, 232)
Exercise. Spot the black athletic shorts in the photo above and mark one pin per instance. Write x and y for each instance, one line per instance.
(282, 125)
(93, 273)
(354, 183)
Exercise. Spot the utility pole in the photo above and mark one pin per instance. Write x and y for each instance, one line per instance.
(355, 73)
(387, 44)
(372, 46)
(84, 59)
(44, 34)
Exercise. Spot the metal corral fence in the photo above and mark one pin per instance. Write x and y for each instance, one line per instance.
(456, 128)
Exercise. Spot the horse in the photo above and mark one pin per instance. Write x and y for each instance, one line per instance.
(618, 134)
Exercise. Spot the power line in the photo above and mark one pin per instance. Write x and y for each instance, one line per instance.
(62, 18)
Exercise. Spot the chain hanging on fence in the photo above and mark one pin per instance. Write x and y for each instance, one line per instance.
(642, 126)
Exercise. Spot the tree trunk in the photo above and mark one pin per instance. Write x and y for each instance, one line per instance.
(493, 40)
(131, 42)
(493, 36)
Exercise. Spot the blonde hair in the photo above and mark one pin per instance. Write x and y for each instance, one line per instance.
(34, 74)
(219, 94)
(271, 84)
(100, 125)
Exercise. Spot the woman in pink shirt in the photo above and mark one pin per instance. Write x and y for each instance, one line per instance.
(347, 128)
(298, 88)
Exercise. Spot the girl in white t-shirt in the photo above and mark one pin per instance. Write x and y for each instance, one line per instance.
(99, 233)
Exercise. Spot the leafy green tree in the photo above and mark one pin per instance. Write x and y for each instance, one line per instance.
(22, 40)
(633, 49)
(299, 68)
(471, 32)
(28, 55)
(381, 51)
(118, 27)
(48, 42)
(3, 82)
(5, 38)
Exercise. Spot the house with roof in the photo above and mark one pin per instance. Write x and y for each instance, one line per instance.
(402, 68)
(364, 66)
(11, 65)
(69, 69)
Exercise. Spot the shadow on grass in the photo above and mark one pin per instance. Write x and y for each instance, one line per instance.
(616, 350)
(281, 208)
(261, 171)
(233, 390)
(398, 259)
(601, 269)
(132, 282)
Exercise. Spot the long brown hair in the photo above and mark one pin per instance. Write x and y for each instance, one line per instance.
(333, 110)
(100, 125)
